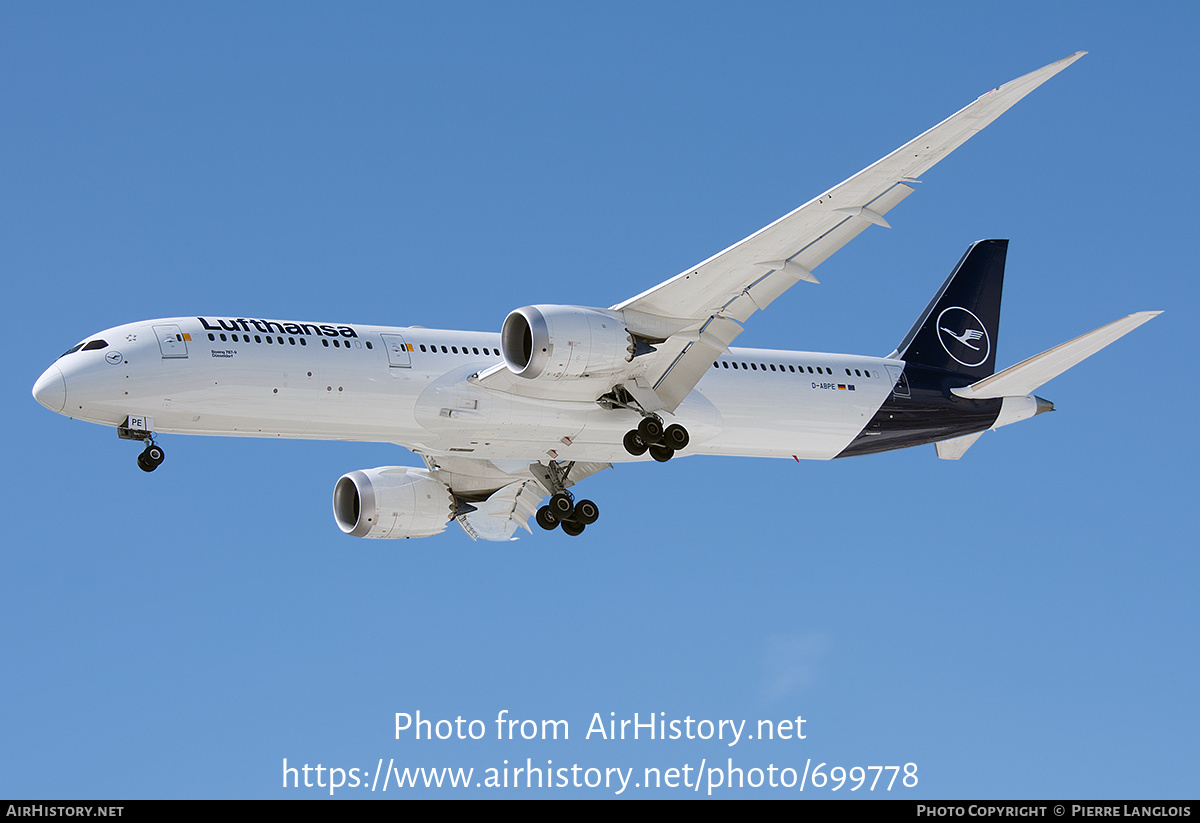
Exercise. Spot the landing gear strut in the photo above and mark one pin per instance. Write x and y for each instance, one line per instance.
(563, 508)
(651, 434)
(153, 455)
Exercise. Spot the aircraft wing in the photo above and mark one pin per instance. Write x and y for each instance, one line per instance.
(702, 308)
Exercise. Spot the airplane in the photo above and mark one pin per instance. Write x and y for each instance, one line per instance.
(503, 421)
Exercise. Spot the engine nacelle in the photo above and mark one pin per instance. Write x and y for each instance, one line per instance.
(565, 342)
(392, 501)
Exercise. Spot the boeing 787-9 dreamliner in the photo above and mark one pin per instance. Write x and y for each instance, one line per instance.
(503, 420)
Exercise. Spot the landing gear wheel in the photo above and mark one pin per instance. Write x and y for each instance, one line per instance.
(546, 519)
(651, 429)
(572, 527)
(634, 444)
(151, 457)
(661, 453)
(676, 436)
(587, 512)
(562, 506)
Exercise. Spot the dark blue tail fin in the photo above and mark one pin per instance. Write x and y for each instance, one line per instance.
(958, 330)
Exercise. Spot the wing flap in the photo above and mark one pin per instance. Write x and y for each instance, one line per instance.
(822, 247)
(499, 516)
(685, 373)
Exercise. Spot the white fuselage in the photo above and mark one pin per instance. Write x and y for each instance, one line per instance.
(412, 386)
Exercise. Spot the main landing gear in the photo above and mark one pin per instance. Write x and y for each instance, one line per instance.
(651, 435)
(562, 509)
(662, 443)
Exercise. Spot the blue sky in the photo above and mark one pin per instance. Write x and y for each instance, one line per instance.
(1022, 623)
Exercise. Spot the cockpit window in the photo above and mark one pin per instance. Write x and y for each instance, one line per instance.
(87, 345)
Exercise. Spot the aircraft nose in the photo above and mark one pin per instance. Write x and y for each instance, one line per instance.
(51, 389)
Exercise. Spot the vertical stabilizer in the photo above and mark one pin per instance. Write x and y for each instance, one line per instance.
(959, 328)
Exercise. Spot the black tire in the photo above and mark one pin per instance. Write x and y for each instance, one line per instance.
(144, 464)
(651, 430)
(562, 506)
(676, 436)
(587, 512)
(154, 455)
(572, 527)
(546, 519)
(634, 444)
(661, 453)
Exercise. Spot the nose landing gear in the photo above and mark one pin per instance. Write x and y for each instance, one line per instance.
(151, 457)
(138, 428)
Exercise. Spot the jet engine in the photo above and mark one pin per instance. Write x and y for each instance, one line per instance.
(392, 501)
(565, 342)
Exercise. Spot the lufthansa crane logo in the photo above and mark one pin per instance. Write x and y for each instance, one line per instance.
(963, 336)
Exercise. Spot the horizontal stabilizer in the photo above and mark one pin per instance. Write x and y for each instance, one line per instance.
(1027, 375)
(956, 447)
